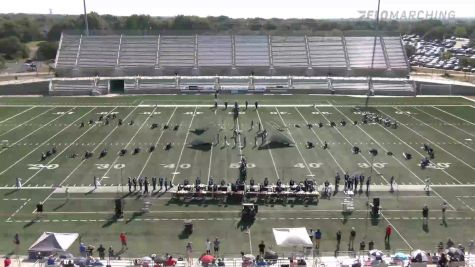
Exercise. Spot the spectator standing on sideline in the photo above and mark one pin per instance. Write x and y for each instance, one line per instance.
(352, 238)
(7, 262)
(18, 183)
(371, 245)
(318, 237)
(311, 234)
(262, 248)
(123, 240)
(16, 241)
(111, 253)
(444, 208)
(368, 182)
(189, 253)
(82, 249)
(338, 239)
(129, 183)
(425, 215)
(216, 244)
(66, 191)
(208, 246)
(102, 252)
(388, 233)
(392, 184)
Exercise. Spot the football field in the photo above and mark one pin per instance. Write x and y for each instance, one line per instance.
(31, 126)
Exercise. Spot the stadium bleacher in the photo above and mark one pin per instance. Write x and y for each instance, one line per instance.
(224, 55)
(326, 52)
(72, 87)
(69, 51)
(360, 53)
(251, 50)
(177, 51)
(289, 51)
(138, 51)
(395, 52)
(349, 86)
(98, 51)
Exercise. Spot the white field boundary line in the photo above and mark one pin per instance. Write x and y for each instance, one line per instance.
(439, 131)
(444, 150)
(18, 210)
(19, 125)
(250, 240)
(44, 142)
(289, 212)
(209, 165)
(468, 98)
(321, 142)
(64, 150)
(445, 123)
(212, 105)
(37, 130)
(397, 231)
(128, 143)
(18, 114)
(84, 160)
(348, 141)
(296, 145)
(453, 115)
(270, 152)
(403, 165)
(184, 144)
(156, 144)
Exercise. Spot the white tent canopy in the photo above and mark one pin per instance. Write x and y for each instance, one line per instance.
(292, 237)
(53, 242)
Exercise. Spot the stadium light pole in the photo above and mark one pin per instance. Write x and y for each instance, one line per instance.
(370, 82)
(85, 17)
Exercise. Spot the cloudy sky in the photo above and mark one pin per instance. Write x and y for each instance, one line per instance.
(241, 8)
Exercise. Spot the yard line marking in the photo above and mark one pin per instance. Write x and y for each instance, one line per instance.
(397, 231)
(457, 141)
(19, 125)
(361, 154)
(64, 150)
(321, 142)
(127, 145)
(17, 114)
(465, 163)
(37, 130)
(296, 146)
(209, 165)
(82, 161)
(33, 150)
(184, 144)
(18, 210)
(270, 152)
(453, 115)
(444, 123)
(404, 165)
(417, 151)
(156, 144)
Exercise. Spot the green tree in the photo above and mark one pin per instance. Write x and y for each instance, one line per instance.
(47, 50)
(446, 55)
(435, 33)
(12, 48)
(460, 31)
(55, 31)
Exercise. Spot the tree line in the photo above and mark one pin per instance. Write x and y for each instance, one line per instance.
(18, 29)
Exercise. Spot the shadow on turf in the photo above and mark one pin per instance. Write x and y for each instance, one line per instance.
(12, 192)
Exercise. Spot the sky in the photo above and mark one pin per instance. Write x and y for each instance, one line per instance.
(317, 9)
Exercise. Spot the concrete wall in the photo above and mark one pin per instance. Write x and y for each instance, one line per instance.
(32, 88)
